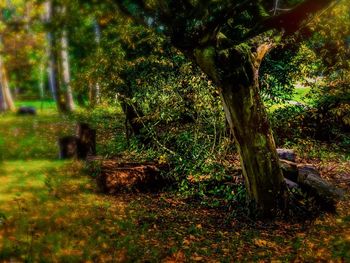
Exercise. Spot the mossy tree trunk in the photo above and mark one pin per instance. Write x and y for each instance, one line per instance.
(235, 71)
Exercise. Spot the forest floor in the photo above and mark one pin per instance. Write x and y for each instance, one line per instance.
(52, 211)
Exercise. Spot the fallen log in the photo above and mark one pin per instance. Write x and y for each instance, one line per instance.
(311, 182)
(290, 184)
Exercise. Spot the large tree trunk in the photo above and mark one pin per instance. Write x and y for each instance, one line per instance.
(248, 121)
(235, 70)
(5, 94)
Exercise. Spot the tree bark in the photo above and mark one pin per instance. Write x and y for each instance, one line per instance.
(236, 71)
(3, 105)
(5, 94)
(132, 114)
(53, 55)
(87, 141)
(66, 72)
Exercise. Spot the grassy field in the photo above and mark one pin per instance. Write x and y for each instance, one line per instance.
(52, 211)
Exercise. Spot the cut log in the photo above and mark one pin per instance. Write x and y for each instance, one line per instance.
(114, 177)
(68, 147)
(308, 179)
(304, 170)
(290, 184)
(287, 154)
(311, 182)
(87, 141)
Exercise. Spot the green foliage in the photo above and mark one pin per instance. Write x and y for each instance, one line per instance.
(322, 66)
(23, 46)
(276, 81)
(291, 123)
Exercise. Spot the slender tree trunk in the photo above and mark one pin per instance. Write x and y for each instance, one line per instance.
(94, 88)
(51, 69)
(6, 97)
(92, 94)
(235, 70)
(42, 81)
(66, 72)
(54, 72)
(132, 113)
(3, 105)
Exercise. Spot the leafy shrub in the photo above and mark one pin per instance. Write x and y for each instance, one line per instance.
(286, 123)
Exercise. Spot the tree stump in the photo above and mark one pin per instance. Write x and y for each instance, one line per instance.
(68, 147)
(79, 146)
(87, 141)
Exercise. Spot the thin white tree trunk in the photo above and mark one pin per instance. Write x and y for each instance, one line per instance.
(51, 68)
(41, 80)
(95, 90)
(66, 71)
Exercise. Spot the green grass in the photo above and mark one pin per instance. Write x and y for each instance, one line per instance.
(32, 137)
(24, 179)
(39, 105)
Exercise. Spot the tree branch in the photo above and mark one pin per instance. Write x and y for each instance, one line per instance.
(291, 21)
